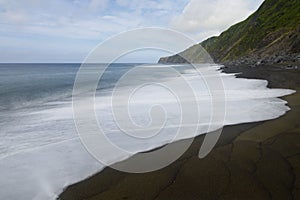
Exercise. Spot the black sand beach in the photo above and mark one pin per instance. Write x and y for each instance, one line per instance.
(251, 161)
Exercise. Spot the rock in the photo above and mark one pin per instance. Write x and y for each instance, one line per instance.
(258, 63)
(289, 67)
(279, 59)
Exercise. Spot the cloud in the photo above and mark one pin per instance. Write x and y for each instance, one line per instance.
(88, 19)
(145, 4)
(98, 5)
(75, 19)
(41, 23)
(201, 17)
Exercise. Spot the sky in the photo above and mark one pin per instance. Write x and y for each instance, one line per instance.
(67, 30)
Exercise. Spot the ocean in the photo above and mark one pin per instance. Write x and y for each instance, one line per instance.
(40, 149)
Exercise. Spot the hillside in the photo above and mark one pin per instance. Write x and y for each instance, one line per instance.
(271, 34)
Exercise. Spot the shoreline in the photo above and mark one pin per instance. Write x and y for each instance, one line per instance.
(250, 161)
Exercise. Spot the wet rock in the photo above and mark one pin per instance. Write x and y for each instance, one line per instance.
(279, 59)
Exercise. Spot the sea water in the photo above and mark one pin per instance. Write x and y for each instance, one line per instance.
(40, 150)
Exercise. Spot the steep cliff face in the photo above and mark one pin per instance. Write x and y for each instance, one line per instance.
(272, 33)
(195, 54)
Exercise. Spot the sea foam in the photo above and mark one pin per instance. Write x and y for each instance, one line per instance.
(42, 153)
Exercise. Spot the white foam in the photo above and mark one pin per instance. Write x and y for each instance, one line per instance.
(46, 154)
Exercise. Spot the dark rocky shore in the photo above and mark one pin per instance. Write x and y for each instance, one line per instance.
(288, 61)
(251, 161)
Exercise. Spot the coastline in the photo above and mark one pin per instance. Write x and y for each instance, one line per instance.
(251, 161)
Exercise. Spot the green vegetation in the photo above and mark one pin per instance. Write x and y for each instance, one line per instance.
(272, 30)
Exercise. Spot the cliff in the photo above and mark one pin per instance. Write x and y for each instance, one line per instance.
(271, 34)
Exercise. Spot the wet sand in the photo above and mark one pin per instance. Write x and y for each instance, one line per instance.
(251, 161)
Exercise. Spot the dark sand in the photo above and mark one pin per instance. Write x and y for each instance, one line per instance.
(251, 161)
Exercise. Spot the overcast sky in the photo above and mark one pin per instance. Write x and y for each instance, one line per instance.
(67, 30)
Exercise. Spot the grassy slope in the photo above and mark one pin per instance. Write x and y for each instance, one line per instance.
(272, 30)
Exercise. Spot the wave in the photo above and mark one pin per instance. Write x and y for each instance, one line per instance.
(41, 146)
